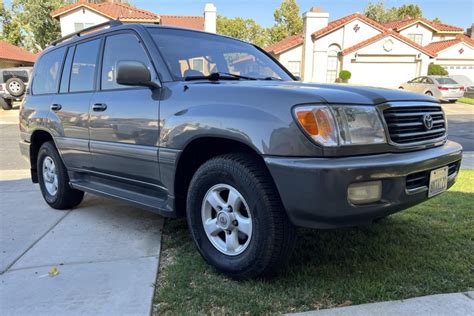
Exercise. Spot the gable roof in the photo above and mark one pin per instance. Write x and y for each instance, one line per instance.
(12, 52)
(383, 35)
(190, 22)
(437, 47)
(114, 11)
(286, 43)
(334, 25)
(439, 27)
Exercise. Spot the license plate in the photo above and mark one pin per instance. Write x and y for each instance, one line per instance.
(438, 181)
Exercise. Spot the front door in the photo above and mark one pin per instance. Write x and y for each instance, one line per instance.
(124, 130)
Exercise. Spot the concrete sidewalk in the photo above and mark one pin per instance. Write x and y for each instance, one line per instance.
(107, 254)
(457, 304)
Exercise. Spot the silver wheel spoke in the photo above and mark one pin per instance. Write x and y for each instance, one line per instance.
(216, 201)
(232, 241)
(50, 178)
(245, 225)
(211, 228)
(234, 199)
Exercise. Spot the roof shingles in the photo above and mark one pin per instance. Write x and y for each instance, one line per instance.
(12, 52)
(441, 27)
(286, 43)
(437, 47)
(343, 21)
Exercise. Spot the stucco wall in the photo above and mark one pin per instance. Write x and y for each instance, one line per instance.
(419, 28)
(293, 54)
(456, 63)
(79, 16)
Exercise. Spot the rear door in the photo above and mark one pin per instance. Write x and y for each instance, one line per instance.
(70, 108)
(124, 125)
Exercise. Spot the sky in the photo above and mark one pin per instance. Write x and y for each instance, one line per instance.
(454, 12)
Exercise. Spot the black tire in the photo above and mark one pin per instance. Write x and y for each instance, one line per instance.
(273, 235)
(429, 93)
(65, 197)
(452, 101)
(19, 84)
(6, 104)
(400, 88)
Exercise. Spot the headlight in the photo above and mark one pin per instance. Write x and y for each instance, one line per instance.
(341, 125)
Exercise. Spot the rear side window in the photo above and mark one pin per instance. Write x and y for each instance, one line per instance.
(446, 81)
(47, 72)
(118, 48)
(84, 67)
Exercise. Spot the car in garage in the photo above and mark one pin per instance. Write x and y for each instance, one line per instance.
(440, 87)
(13, 85)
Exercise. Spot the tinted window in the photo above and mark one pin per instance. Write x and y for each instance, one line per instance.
(446, 81)
(121, 47)
(190, 54)
(47, 72)
(64, 87)
(84, 66)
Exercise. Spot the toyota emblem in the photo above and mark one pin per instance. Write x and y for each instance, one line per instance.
(428, 121)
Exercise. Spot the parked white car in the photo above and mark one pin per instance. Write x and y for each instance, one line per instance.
(441, 87)
(468, 84)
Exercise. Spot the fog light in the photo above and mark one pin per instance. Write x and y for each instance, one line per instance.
(365, 192)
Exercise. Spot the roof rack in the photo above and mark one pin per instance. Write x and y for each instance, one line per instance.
(112, 23)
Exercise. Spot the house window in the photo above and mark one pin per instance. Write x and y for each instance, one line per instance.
(417, 38)
(80, 26)
(294, 67)
(332, 64)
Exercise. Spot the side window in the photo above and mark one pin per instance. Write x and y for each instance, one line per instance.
(47, 72)
(64, 86)
(84, 67)
(121, 47)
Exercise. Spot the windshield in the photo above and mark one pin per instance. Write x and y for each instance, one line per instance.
(192, 55)
(446, 81)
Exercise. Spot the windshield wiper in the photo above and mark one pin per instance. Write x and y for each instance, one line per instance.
(271, 78)
(215, 76)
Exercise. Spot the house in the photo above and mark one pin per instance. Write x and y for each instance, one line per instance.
(82, 14)
(375, 54)
(14, 56)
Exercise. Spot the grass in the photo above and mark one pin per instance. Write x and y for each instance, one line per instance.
(428, 249)
(466, 100)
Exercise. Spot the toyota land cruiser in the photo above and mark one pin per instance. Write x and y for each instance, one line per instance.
(185, 123)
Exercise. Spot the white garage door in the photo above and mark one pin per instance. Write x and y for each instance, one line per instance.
(387, 74)
(466, 70)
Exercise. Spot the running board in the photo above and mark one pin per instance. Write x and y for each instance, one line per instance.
(154, 204)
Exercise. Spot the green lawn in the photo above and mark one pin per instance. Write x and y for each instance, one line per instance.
(427, 249)
(466, 100)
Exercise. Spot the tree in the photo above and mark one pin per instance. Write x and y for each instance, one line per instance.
(437, 20)
(10, 27)
(244, 29)
(378, 12)
(288, 21)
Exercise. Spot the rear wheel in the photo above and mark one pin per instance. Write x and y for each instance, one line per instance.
(6, 104)
(452, 101)
(54, 180)
(236, 218)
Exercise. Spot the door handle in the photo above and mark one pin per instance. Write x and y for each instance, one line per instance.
(99, 107)
(55, 107)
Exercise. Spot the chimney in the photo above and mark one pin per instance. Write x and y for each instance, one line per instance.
(313, 20)
(210, 18)
(471, 31)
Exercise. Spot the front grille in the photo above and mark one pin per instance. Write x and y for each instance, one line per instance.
(421, 179)
(406, 124)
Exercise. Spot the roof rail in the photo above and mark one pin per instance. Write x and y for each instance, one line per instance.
(111, 23)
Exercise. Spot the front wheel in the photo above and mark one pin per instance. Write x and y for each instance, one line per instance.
(54, 180)
(429, 93)
(236, 218)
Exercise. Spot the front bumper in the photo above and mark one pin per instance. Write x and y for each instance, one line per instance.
(314, 190)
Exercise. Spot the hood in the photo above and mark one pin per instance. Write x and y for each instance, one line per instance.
(337, 93)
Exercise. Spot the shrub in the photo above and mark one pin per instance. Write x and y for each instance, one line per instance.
(437, 70)
(345, 75)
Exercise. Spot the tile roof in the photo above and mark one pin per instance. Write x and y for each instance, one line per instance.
(440, 27)
(385, 34)
(12, 52)
(190, 22)
(343, 21)
(437, 47)
(286, 43)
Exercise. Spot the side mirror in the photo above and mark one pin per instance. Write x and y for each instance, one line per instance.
(134, 73)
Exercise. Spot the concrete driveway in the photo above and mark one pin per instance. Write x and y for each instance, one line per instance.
(106, 252)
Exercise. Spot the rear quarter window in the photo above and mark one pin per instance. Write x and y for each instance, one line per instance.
(47, 72)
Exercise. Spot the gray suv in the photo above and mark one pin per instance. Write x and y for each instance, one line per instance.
(190, 124)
